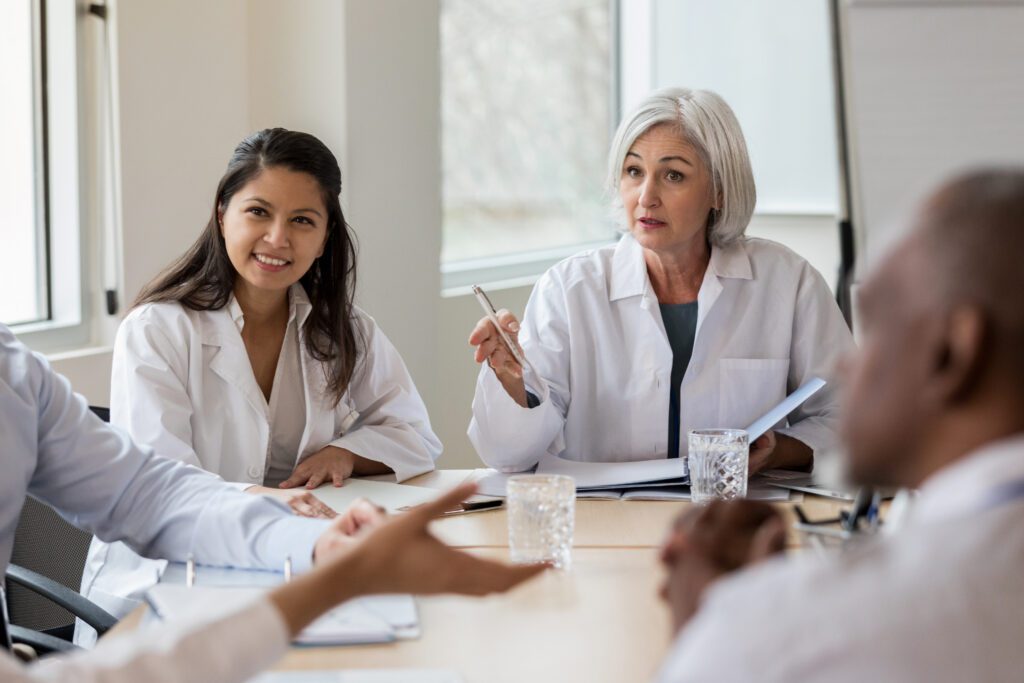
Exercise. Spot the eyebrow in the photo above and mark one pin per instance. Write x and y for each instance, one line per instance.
(264, 202)
(663, 159)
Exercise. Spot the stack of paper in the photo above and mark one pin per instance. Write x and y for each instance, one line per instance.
(662, 479)
(392, 497)
(373, 619)
(756, 490)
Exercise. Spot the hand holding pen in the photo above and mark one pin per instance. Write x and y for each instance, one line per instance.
(496, 338)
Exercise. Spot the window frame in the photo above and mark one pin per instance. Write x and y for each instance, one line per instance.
(523, 268)
(60, 200)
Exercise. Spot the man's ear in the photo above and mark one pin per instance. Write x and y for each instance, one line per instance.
(963, 355)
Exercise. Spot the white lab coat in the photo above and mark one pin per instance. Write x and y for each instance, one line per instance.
(182, 383)
(593, 331)
(57, 451)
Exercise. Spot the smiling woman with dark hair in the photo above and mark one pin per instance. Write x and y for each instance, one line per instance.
(247, 357)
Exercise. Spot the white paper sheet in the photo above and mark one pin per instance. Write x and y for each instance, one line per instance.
(372, 619)
(389, 496)
(366, 620)
(788, 405)
(755, 491)
(595, 474)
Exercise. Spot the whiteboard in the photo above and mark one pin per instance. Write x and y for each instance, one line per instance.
(931, 88)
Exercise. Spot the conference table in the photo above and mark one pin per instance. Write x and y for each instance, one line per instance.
(600, 620)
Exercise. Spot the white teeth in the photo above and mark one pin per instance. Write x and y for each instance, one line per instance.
(269, 260)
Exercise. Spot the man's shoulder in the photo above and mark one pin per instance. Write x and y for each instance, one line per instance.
(865, 606)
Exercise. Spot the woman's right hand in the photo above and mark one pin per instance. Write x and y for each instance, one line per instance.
(302, 502)
(491, 348)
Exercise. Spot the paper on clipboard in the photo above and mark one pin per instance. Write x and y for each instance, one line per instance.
(375, 619)
(788, 405)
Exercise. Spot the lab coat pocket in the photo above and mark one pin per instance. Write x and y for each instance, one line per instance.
(748, 388)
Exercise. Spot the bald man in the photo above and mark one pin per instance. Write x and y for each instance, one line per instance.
(935, 402)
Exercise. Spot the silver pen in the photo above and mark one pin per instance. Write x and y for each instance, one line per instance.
(492, 315)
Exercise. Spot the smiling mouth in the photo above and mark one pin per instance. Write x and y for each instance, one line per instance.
(270, 260)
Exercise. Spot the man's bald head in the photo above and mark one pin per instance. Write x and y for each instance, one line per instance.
(940, 371)
(972, 231)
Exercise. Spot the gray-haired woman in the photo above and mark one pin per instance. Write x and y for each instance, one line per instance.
(684, 323)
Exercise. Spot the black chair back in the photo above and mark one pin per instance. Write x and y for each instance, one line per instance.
(45, 543)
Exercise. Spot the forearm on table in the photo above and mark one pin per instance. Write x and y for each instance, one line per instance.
(302, 601)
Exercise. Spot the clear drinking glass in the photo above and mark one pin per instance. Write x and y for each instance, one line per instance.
(719, 461)
(541, 514)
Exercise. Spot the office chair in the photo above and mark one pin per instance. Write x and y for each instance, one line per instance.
(44, 577)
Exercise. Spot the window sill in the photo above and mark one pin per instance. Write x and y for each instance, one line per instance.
(504, 272)
(50, 337)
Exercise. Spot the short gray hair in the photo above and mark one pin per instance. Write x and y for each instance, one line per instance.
(709, 124)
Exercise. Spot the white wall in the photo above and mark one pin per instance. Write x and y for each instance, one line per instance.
(183, 106)
(394, 161)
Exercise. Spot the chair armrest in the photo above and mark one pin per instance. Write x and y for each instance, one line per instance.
(84, 609)
(42, 643)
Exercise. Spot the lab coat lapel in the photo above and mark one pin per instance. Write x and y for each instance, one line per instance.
(629, 279)
(231, 362)
(314, 380)
(726, 262)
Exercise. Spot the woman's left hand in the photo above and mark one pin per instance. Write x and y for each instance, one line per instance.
(330, 463)
(761, 452)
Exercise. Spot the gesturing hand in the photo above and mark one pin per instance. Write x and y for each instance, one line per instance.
(710, 541)
(402, 556)
(398, 556)
(330, 463)
(359, 517)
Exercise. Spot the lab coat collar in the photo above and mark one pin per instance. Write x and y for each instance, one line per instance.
(222, 328)
(629, 270)
(964, 486)
(298, 307)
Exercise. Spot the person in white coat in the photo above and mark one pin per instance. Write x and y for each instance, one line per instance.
(683, 324)
(57, 451)
(247, 357)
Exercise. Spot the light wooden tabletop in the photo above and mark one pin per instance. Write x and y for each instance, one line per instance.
(599, 523)
(599, 621)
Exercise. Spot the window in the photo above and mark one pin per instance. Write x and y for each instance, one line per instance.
(772, 62)
(527, 109)
(41, 286)
(23, 296)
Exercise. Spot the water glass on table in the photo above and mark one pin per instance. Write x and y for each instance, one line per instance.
(718, 460)
(541, 515)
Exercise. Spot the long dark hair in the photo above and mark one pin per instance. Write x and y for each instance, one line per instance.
(203, 278)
